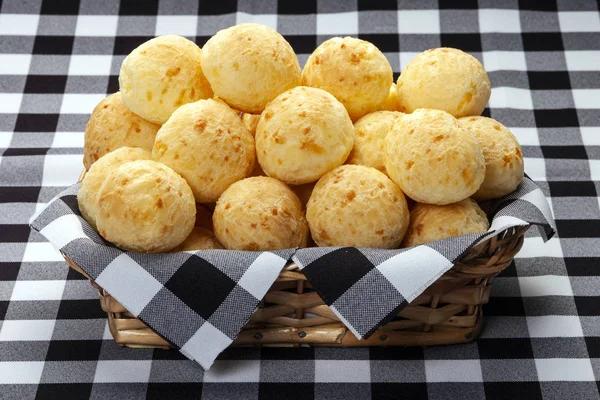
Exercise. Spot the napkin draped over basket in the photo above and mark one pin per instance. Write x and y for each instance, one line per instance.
(201, 302)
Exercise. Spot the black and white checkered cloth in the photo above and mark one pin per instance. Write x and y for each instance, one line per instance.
(541, 338)
(200, 301)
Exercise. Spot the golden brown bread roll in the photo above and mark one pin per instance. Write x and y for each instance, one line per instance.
(391, 102)
(248, 65)
(353, 70)
(207, 144)
(503, 157)
(431, 222)
(354, 205)
(145, 206)
(260, 213)
(369, 142)
(444, 79)
(433, 158)
(302, 134)
(87, 197)
(250, 122)
(161, 75)
(112, 126)
(199, 239)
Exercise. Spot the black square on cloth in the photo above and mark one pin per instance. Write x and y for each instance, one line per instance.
(73, 350)
(125, 44)
(549, 80)
(338, 270)
(36, 123)
(468, 42)
(565, 152)
(458, 5)
(217, 7)
(558, 118)
(71, 391)
(60, 7)
(138, 7)
(385, 42)
(168, 390)
(55, 45)
(512, 390)
(500, 348)
(370, 5)
(211, 286)
(9, 271)
(297, 7)
(542, 41)
(45, 84)
(572, 189)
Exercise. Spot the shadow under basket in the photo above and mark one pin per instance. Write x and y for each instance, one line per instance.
(293, 314)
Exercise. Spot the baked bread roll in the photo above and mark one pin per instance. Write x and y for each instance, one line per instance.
(87, 197)
(354, 205)
(260, 213)
(369, 142)
(353, 70)
(248, 65)
(111, 126)
(302, 134)
(199, 239)
(161, 75)
(208, 145)
(444, 79)
(145, 206)
(503, 157)
(250, 122)
(433, 158)
(391, 102)
(429, 222)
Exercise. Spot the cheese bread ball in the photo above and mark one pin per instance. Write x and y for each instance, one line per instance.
(111, 126)
(87, 197)
(206, 143)
(429, 222)
(260, 213)
(161, 75)
(391, 102)
(352, 70)
(250, 122)
(302, 134)
(433, 158)
(444, 79)
(354, 205)
(369, 142)
(503, 157)
(199, 239)
(145, 206)
(248, 65)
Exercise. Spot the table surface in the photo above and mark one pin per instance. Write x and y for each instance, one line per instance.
(542, 335)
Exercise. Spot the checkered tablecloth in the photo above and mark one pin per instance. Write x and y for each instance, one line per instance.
(542, 335)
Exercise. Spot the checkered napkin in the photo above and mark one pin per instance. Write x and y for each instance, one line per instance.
(367, 288)
(199, 301)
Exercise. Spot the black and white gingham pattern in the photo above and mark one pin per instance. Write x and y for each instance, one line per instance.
(368, 287)
(542, 333)
(198, 301)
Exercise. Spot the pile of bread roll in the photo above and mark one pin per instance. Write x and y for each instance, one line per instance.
(235, 146)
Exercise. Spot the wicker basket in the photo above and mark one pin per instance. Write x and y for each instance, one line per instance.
(292, 314)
